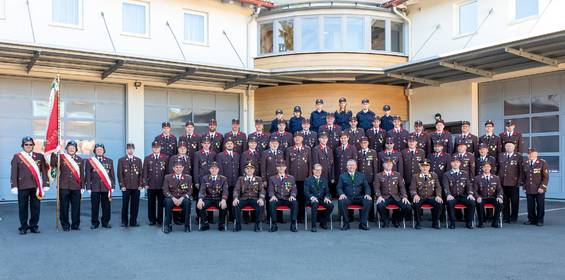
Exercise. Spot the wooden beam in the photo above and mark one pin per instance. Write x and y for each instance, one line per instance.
(472, 70)
(180, 76)
(533, 56)
(119, 63)
(33, 60)
(237, 82)
(413, 79)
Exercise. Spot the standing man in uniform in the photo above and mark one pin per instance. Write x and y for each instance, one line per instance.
(177, 190)
(228, 162)
(278, 119)
(467, 138)
(323, 155)
(285, 138)
(310, 137)
(353, 189)
(261, 136)
(483, 158)
(249, 191)
(365, 117)
(167, 140)
(458, 189)
(299, 162)
(343, 153)
(421, 136)
(426, 189)
(386, 119)
(510, 134)
(154, 171)
(295, 122)
(130, 178)
(317, 193)
(491, 140)
(332, 130)
(192, 141)
(269, 159)
(390, 189)
(354, 133)
(318, 116)
(376, 135)
(411, 158)
(342, 115)
(398, 134)
(535, 176)
(440, 136)
(202, 161)
(29, 181)
(440, 162)
(213, 192)
(488, 191)
(394, 155)
(238, 138)
(282, 191)
(251, 156)
(466, 158)
(100, 183)
(368, 163)
(71, 178)
(182, 156)
(510, 174)
(216, 138)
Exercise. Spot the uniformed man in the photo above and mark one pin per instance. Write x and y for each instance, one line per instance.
(269, 159)
(71, 179)
(368, 163)
(213, 192)
(318, 116)
(411, 158)
(323, 155)
(421, 136)
(216, 138)
(154, 171)
(182, 156)
(510, 134)
(295, 122)
(100, 183)
(342, 115)
(353, 189)
(238, 138)
(202, 161)
(442, 136)
(343, 153)
(398, 134)
(299, 162)
(389, 189)
(28, 185)
(484, 157)
(278, 119)
(317, 193)
(491, 140)
(228, 162)
(466, 158)
(488, 191)
(259, 135)
(510, 174)
(426, 189)
(365, 116)
(355, 133)
(394, 155)
(310, 137)
(282, 191)
(440, 161)
(535, 176)
(252, 156)
(467, 138)
(167, 140)
(249, 191)
(284, 137)
(192, 141)
(130, 178)
(177, 190)
(376, 135)
(332, 130)
(458, 189)
(386, 119)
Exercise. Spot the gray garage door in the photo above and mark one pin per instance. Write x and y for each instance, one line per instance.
(179, 106)
(534, 103)
(90, 111)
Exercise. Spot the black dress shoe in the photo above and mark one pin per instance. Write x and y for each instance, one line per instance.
(363, 226)
(539, 224)
(436, 226)
(167, 230)
(530, 223)
(237, 228)
(22, 231)
(324, 226)
(257, 228)
(152, 223)
(187, 229)
(34, 230)
(293, 227)
(107, 226)
(452, 226)
(345, 227)
(93, 226)
(221, 227)
(66, 229)
(204, 227)
(124, 225)
(495, 225)
(481, 225)
(417, 226)
(469, 226)
(274, 228)
(75, 228)
(314, 229)
(134, 225)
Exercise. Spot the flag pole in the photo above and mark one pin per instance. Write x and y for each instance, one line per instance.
(57, 95)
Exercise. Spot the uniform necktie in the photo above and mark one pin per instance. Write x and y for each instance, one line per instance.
(178, 177)
(412, 152)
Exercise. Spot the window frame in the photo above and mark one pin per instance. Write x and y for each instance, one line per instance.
(206, 30)
(147, 6)
(80, 24)
(4, 15)
(457, 18)
(512, 12)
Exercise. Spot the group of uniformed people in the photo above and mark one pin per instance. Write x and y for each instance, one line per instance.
(364, 161)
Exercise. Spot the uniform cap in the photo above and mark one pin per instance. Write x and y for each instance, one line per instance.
(455, 159)
(364, 139)
(509, 141)
(282, 121)
(342, 99)
(128, 146)
(278, 111)
(386, 107)
(206, 139)
(166, 124)
(389, 141)
(319, 101)
(323, 134)
(489, 122)
(509, 122)
(178, 162)
(465, 123)
(364, 101)
(353, 119)
(234, 121)
(532, 150)
(412, 138)
(396, 118)
(306, 121)
(155, 144)
(183, 144)
(332, 115)
(440, 121)
(249, 165)
(274, 139)
(483, 146)
(100, 145)
(214, 164)
(298, 134)
(377, 118)
(72, 143)
(212, 122)
(258, 121)
(418, 123)
(297, 109)
(425, 162)
(281, 163)
(189, 123)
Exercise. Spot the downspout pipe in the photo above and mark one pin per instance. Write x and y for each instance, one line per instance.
(404, 17)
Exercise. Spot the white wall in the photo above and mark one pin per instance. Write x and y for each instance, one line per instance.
(498, 27)
(92, 35)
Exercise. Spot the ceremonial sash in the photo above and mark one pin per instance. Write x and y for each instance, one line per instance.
(35, 172)
(102, 173)
(73, 166)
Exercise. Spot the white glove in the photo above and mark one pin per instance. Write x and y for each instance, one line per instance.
(82, 191)
(14, 191)
(45, 189)
(89, 192)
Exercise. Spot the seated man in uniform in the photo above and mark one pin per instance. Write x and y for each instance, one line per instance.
(177, 189)
(488, 191)
(248, 191)
(389, 189)
(282, 191)
(353, 189)
(425, 189)
(213, 192)
(458, 190)
(317, 193)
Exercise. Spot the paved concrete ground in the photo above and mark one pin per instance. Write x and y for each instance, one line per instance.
(514, 252)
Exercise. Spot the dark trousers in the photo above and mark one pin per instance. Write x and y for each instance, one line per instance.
(28, 200)
(98, 199)
(216, 203)
(481, 210)
(69, 199)
(511, 203)
(229, 202)
(301, 200)
(248, 202)
(273, 209)
(361, 201)
(435, 211)
(169, 205)
(383, 212)
(155, 205)
(469, 212)
(130, 206)
(536, 207)
(324, 215)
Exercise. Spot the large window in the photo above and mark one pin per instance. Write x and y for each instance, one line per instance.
(355, 32)
(266, 38)
(285, 35)
(135, 18)
(397, 37)
(467, 17)
(378, 34)
(310, 37)
(195, 27)
(66, 12)
(332, 33)
(526, 8)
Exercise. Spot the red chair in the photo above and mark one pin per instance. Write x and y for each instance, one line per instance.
(392, 207)
(250, 208)
(425, 206)
(354, 208)
(491, 206)
(177, 209)
(281, 208)
(213, 208)
(320, 208)
(458, 206)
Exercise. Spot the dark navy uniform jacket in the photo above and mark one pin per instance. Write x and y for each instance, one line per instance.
(275, 125)
(386, 123)
(317, 119)
(342, 119)
(365, 119)
(295, 124)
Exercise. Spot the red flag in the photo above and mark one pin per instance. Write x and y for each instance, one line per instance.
(53, 133)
